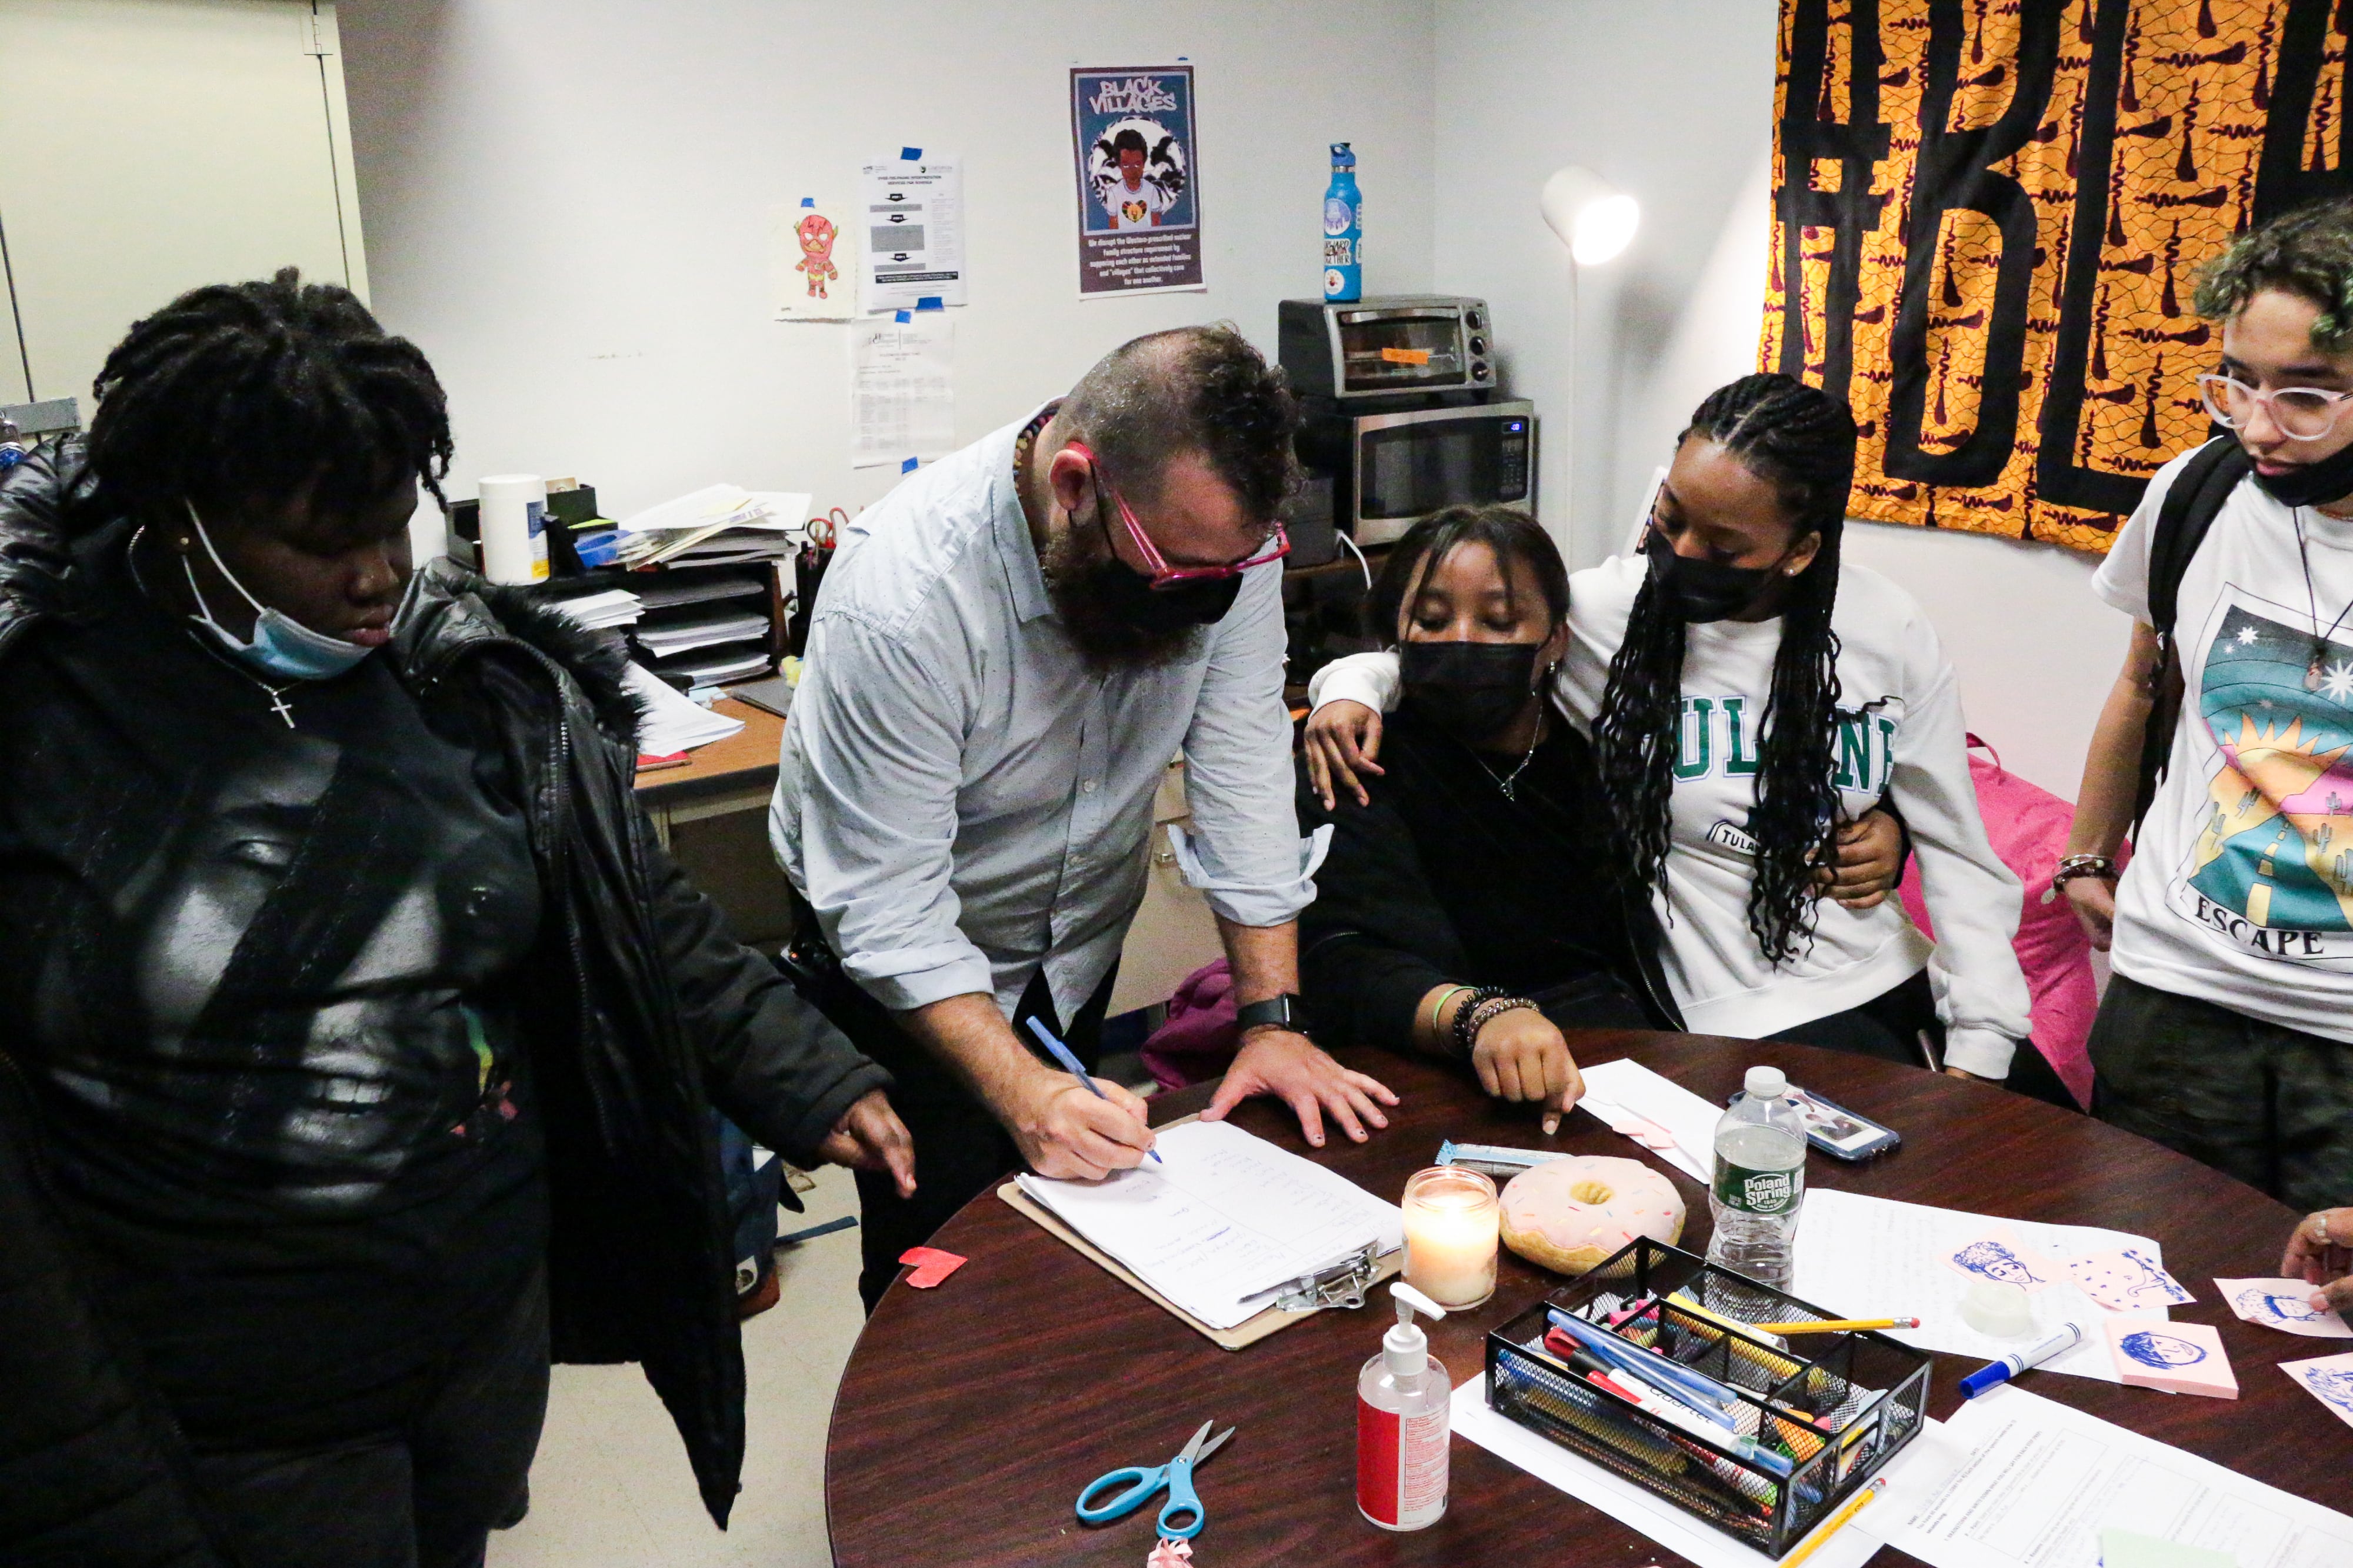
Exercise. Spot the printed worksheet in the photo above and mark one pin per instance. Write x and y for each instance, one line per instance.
(1874, 1257)
(1224, 1216)
(2037, 1481)
(912, 231)
(901, 389)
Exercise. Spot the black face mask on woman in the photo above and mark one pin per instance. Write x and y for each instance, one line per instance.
(1695, 591)
(1470, 689)
(2311, 484)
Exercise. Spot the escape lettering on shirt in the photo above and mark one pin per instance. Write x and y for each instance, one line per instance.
(1720, 735)
(2270, 870)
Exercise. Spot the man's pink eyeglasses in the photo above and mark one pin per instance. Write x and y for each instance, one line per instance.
(1163, 574)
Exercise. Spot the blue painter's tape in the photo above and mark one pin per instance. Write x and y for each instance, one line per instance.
(902, 315)
(931, 302)
(911, 155)
(808, 201)
(908, 467)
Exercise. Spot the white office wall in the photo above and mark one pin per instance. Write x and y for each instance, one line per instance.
(567, 204)
(1672, 101)
(155, 145)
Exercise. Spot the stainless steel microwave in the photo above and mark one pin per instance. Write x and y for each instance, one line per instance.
(1400, 468)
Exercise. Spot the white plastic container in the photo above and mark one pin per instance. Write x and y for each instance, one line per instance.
(1401, 1423)
(1760, 1180)
(514, 527)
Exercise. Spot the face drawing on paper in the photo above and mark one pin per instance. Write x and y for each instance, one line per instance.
(1996, 1261)
(816, 235)
(2161, 1351)
(2260, 1305)
(2332, 1386)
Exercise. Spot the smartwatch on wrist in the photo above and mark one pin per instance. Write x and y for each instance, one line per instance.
(1283, 1012)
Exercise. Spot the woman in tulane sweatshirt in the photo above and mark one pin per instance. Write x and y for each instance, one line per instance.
(1746, 694)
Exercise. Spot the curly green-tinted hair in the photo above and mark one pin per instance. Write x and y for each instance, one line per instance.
(2307, 253)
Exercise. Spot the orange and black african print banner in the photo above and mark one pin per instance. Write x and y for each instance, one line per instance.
(1987, 219)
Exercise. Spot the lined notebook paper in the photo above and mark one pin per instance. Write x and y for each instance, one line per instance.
(1224, 1218)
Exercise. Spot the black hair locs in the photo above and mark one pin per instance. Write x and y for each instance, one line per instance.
(1800, 440)
(236, 392)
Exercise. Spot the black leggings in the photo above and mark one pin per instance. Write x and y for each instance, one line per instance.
(1890, 1024)
(427, 1496)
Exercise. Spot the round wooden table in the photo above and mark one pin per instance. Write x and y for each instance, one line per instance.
(970, 1416)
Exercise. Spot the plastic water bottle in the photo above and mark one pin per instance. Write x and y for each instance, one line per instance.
(1760, 1180)
(1343, 229)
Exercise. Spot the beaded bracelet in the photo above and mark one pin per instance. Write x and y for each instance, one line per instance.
(1489, 1004)
(2074, 865)
(1439, 1012)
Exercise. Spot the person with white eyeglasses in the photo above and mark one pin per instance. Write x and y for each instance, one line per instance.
(2226, 746)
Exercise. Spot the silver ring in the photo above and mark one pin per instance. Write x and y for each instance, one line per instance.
(2323, 1217)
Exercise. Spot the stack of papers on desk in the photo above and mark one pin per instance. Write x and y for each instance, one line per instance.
(599, 612)
(1625, 1092)
(1223, 1219)
(715, 525)
(703, 629)
(664, 591)
(673, 721)
(719, 666)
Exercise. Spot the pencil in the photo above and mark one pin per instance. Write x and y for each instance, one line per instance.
(1835, 1325)
(1830, 1526)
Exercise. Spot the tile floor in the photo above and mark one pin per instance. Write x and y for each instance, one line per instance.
(611, 1487)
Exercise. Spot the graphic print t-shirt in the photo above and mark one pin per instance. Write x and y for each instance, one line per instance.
(1136, 208)
(2240, 887)
(262, 981)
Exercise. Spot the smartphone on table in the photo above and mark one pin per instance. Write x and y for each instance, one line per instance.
(1837, 1131)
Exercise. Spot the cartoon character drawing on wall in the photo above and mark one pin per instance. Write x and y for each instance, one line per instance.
(816, 235)
(2161, 1351)
(1997, 1261)
(2333, 1386)
(1136, 170)
(2259, 1305)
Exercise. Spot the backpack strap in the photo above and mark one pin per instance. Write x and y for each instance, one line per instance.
(2190, 506)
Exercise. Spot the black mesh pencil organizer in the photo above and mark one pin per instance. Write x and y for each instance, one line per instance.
(1834, 1406)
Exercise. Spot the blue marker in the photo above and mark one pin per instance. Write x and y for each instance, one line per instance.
(1061, 1053)
(1994, 1373)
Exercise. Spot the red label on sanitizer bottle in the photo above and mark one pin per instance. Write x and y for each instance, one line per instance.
(1400, 1466)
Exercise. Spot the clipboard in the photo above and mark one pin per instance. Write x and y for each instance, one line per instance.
(1248, 1331)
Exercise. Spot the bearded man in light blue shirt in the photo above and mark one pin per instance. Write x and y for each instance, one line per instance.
(1009, 649)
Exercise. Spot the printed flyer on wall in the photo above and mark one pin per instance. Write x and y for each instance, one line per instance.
(1139, 186)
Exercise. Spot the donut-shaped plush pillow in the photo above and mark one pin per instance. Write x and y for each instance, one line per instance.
(1568, 1214)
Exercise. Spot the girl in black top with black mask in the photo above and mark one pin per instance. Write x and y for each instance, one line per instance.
(1461, 912)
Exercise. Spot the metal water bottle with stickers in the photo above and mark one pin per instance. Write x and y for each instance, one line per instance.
(1343, 229)
(1760, 1180)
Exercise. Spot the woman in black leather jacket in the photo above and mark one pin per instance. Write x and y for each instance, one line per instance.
(358, 1040)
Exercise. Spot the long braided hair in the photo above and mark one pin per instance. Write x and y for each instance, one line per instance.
(1800, 440)
(239, 392)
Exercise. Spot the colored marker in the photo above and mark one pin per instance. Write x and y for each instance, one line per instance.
(1061, 1054)
(1995, 1372)
(1684, 1419)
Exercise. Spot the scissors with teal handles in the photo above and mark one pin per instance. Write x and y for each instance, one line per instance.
(1184, 1503)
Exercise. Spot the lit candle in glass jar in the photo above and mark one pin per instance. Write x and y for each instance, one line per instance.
(1452, 1223)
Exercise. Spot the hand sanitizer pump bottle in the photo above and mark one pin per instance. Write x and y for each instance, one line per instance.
(1401, 1411)
(1344, 230)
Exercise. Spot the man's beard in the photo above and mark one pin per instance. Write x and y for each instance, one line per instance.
(1104, 639)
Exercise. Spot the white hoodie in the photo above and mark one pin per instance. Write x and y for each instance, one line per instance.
(1900, 734)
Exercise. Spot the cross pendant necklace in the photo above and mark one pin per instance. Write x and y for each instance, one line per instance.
(279, 706)
(2321, 645)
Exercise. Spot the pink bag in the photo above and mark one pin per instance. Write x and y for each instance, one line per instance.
(2028, 827)
(1201, 1036)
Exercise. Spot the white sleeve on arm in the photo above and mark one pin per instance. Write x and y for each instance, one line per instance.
(1973, 899)
(1244, 852)
(1370, 678)
(880, 746)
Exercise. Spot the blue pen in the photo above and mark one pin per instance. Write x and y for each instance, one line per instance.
(1995, 1372)
(1704, 1393)
(1061, 1053)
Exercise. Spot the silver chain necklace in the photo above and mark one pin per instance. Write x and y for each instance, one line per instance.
(277, 694)
(1507, 782)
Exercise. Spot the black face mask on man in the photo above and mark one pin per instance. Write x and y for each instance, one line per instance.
(1469, 689)
(1696, 591)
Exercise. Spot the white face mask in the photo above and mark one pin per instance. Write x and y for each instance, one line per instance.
(281, 646)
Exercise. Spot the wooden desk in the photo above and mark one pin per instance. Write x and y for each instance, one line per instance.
(970, 1416)
(737, 774)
